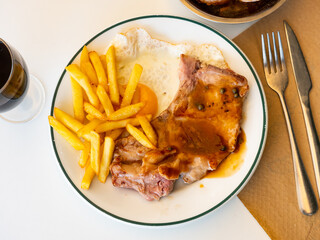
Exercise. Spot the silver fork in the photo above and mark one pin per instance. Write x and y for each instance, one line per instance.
(277, 78)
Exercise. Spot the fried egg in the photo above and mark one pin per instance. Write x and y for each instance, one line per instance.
(160, 61)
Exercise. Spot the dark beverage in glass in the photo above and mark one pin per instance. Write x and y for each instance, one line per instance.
(14, 77)
(22, 95)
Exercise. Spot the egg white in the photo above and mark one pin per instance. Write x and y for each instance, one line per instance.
(160, 61)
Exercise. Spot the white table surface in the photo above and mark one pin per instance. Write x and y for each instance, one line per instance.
(36, 200)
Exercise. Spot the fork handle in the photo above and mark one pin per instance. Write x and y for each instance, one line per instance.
(313, 141)
(306, 198)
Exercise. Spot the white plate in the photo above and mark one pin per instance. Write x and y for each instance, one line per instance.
(186, 202)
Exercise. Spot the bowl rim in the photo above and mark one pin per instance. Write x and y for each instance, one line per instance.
(250, 18)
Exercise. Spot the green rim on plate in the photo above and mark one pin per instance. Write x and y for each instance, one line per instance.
(242, 183)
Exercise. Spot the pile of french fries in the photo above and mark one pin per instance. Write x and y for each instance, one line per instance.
(103, 109)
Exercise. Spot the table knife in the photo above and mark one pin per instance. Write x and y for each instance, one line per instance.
(304, 85)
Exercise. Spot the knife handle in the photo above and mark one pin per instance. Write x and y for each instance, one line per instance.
(306, 198)
(313, 141)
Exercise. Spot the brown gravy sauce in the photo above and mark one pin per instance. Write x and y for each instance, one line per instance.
(233, 162)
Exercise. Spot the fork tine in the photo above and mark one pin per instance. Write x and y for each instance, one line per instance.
(270, 54)
(283, 63)
(264, 54)
(277, 64)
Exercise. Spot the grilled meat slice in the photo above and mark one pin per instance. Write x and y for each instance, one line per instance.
(136, 167)
(198, 130)
(128, 169)
(152, 186)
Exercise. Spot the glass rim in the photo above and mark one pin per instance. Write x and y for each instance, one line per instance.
(12, 63)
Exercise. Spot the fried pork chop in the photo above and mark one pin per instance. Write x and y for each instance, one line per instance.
(196, 132)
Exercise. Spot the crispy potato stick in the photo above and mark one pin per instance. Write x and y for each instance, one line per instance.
(66, 133)
(104, 62)
(87, 178)
(84, 155)
(101, 109)
(131, 86)
(77, 98)
(148, 129)
(88, 108)
(90, 117)
(85, 97)
(71, 123)
(122, 89)
(139, 136)
(95, 151)
(112, 76)
(114, 134)
(84, 57)
(111, 125)
(101, 74)
(83, 80)
(136, 96)
(89, 127)
(105, 100)
(91, 73)
(106, 159)
(126, 112)
(67, 120)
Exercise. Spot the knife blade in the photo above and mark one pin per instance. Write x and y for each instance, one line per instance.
(299, 65)
(304, 85)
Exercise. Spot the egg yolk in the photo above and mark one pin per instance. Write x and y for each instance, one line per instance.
(149, 98)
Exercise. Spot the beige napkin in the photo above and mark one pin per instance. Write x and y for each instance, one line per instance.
(270, 195)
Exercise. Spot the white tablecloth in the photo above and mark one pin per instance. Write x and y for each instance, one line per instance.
(36, 200)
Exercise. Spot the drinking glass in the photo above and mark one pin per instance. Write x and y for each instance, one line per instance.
(21, 95)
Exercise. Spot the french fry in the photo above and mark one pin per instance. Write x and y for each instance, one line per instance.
(114, 134)
(126, 112)
(87, 178)
(90, 117)
(101, 109)
(71, 123)
(88, 108)
(95, 152)
(84, 57)
(106, 159)
(96, 62)
(105, 100)
(67, 120)
(112, 76)
(111, 125)
(136, 95)
(148, 130)
(122, 89)
(91, 73)
(77, 98)
(131, 86)
(83, 80)
(66, 133)
(85, 97)
(85, 130)
(104, 62)
(139, 136)
(84, 155)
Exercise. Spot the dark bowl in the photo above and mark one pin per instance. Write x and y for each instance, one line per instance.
(215, 18)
